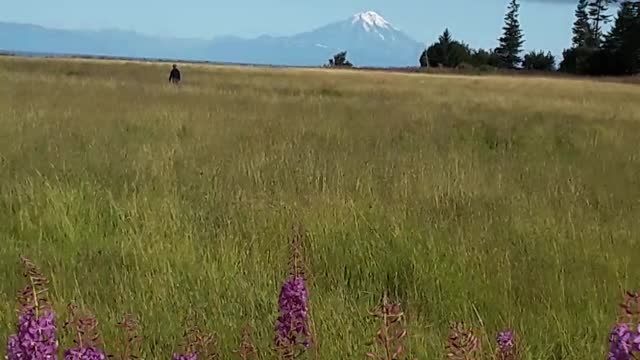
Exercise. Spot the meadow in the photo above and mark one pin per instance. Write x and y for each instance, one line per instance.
(498, 201)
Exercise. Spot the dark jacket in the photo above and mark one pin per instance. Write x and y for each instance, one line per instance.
(174, 76)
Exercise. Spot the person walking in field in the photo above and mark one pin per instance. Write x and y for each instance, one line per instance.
(174, 76)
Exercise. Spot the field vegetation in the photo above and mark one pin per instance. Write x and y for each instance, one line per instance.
(498, 201)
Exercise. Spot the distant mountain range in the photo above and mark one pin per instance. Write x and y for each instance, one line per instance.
(369, 39)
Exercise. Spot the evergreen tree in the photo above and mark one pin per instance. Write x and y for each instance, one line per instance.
(482, 57)
(623, 25)
(539, 61)
(445, 38)
(340, 60)
(622, 44)
(512, 38)
(599, 16)
(441, 56)
(447, 52)
(581, 27)
(585, 56)
(424, 59)
(634, 36)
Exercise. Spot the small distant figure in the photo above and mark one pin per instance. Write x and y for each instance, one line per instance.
(174, 76)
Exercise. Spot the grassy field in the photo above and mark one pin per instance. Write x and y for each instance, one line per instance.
(498, 201)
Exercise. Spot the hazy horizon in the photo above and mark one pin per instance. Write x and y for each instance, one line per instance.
(546, 24)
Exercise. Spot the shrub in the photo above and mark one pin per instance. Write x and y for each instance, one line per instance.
(539, 61)
(340, 60)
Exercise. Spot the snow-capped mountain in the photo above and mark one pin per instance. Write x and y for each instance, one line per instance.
(370, 20)
(368, 38)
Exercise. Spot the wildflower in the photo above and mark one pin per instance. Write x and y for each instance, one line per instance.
(635, 341)
(624, 338)
(36, 331)
(462, 344)
(247, 349)
(36, 337)
(197, 344)
(292, 324)
(506, 345)
(13, 348)
(131, 340)
(84, 326)
(84, 353)
(392, 332)
(621, 343)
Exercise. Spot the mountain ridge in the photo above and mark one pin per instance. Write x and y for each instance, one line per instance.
(368, 38)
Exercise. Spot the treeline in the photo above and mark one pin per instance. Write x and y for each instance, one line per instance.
(593, 51)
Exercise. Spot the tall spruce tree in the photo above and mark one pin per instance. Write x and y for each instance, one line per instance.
(634, 37)
(622, 27)
(512, 38)
(581, 27)
(599, 16)
(622, 43)
(445, 39)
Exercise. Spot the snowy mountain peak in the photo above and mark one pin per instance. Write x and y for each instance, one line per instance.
(371, 20)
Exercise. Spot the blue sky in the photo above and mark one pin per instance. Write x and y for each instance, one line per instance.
(546, 23)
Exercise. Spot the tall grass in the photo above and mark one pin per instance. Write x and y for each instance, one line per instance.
(496, 201)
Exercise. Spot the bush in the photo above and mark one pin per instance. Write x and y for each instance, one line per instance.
(487, 68)
(539, 61)
(340, 60)
(466, 67)
(483, 57)
(579, 60)
(447, 52)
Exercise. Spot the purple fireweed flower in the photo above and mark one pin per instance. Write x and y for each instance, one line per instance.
(36, 338)
(635, 340)
(292, 325)
(14, 352)
(506, 345)
(188, 356)
(623, 342)
(84, 353)
(505, 341)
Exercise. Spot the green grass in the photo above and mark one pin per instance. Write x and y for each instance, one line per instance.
(493, 200)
